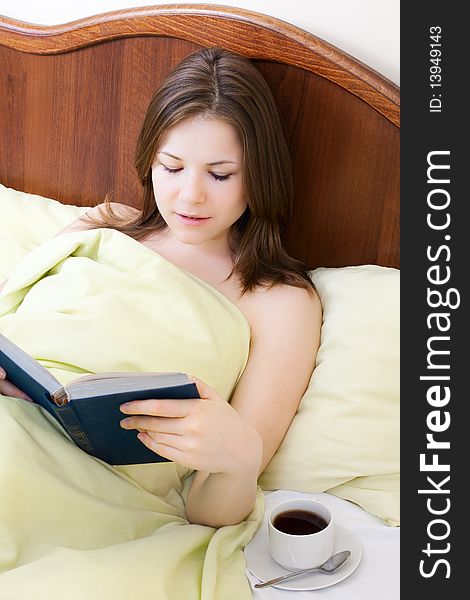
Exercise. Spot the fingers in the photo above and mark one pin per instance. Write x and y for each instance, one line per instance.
(164, 450)
(8, 389)
(167, 439)
(159, 408)
(156, 424)
(169, 407)
(205, 391)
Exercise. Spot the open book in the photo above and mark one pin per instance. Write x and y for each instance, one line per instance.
(88, 407)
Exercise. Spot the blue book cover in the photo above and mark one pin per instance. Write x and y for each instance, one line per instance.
(88, 407)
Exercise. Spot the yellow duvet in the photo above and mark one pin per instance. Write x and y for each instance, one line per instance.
(71, 526)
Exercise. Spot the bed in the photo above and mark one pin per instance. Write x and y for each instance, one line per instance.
(73, 98)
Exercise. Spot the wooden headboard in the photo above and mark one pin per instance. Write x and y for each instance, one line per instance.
(73, 97)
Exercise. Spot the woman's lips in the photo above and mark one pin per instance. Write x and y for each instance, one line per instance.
(192, 220)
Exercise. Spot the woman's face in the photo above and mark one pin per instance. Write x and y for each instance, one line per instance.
(197, 181)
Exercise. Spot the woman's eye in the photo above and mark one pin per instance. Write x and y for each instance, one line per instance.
(168, 170)
(220, 177)
(216, 176)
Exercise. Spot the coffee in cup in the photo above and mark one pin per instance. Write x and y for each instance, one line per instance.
(301, 533)
(299, 522)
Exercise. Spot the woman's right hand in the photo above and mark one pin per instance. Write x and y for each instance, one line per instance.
(8, 389)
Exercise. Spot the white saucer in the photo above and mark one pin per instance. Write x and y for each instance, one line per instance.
(260, 563)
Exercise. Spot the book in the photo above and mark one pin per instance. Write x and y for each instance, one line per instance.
(88, 406)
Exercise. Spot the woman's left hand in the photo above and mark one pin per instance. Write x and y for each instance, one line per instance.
(204, 434)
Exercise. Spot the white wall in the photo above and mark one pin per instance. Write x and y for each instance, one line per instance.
(367, 29)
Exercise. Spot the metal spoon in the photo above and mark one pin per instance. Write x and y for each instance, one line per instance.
(330, 566)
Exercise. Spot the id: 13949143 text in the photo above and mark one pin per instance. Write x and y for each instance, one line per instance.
(435, 69)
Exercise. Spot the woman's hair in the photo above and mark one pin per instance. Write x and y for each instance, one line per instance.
(215, 83)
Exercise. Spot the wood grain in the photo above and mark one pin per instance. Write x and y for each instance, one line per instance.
(72, 99)
(246, 32)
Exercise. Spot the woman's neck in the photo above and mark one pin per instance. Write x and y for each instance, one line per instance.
(210, 261)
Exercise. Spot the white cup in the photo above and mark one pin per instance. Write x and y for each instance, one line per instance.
(294, 551)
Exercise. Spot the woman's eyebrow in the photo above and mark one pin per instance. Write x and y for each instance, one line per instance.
(211, 164)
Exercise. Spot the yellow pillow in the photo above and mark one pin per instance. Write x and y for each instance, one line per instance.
(27, 220)
(344, 438)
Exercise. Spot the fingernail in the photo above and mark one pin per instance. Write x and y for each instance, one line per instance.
(124, 423)
(2, 373)
(124, 407)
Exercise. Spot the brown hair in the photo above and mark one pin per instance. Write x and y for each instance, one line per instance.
(213, 82)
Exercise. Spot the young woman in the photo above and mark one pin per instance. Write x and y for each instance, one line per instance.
(217, 197)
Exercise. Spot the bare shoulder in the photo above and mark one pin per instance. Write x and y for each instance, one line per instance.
(122, 211)
(286, 306)
(85, 222)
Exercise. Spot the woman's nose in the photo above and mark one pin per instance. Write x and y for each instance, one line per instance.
(192, 189)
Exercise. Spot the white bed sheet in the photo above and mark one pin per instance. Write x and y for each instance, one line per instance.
(377, 575)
